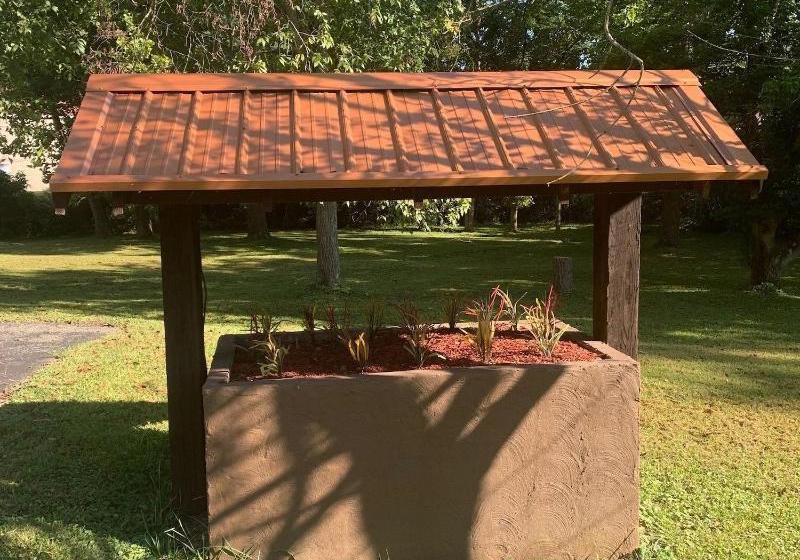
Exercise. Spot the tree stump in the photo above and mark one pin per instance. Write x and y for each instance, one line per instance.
(562, 274)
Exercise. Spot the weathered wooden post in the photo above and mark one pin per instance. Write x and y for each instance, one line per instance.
(617, 233)
(182, 286)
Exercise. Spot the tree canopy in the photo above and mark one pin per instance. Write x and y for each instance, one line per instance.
(746, 54)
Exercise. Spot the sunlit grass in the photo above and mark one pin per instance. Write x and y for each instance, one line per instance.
(84, 455)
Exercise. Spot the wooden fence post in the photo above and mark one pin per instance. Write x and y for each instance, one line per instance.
(617, 233)
(182, 286)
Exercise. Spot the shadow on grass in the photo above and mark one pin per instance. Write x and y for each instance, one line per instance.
(281, 273)
(93, 464)
(698, 289)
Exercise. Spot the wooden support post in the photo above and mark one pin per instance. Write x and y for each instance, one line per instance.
(181, 277)
(617, 232)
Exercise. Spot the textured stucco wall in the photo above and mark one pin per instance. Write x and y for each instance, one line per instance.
(496, 463)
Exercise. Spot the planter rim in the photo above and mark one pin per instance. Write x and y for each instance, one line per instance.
(222, 362)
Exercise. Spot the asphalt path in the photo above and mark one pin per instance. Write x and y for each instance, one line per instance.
(25, 347)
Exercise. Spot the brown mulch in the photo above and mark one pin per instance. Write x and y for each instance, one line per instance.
(387, 353)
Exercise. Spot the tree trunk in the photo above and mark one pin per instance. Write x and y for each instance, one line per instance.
(141, 214)
(558, 213)
(102, 225)
(670, 219)
(513, 216)
(765, 259)
(469, 221)
(327, 244)
(562, 274)
(257, 221)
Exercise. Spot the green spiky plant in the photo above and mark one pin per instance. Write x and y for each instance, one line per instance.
(452, 304)
(486, 313)
(543, 326)
(417, 334)
(262, 323)
(272, 354)
(310, 320)
(331, 325)
(358, 347)
(374, 312)
(418, 345)
(513, 310)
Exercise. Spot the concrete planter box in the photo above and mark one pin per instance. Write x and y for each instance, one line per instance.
(495, 462)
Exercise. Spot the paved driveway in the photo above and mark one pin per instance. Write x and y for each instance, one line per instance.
(24, 347)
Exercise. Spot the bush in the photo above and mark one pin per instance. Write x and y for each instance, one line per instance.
(23, 213)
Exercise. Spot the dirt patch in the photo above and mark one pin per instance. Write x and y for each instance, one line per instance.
(387, 353)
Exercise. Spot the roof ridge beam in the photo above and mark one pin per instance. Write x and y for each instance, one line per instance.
(371, 81)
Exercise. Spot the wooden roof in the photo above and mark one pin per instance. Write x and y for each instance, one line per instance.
(346, 136)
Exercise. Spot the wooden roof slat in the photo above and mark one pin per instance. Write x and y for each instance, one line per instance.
(665, 131)
(177, 127)
(151, 138)
(86, 133)
(242, 154)
(719, 134)
(692, 137)
(548, 144)
(397, 138)
(131, 150)
(447, 135)
(395, 131)
(595, 137)
(294, 124)
(502, 149)
(187, 150)
(655, 155)
(346, 130)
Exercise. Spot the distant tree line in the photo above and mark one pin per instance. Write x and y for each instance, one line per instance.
(746, 54)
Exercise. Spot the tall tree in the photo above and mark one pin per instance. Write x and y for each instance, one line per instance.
(256, 221)
(327, 244)
(43, 64)
(747, 55)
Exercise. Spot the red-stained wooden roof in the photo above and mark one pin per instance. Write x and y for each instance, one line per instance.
(311, 133)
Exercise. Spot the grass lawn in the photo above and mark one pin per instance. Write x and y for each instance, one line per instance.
(83, 446)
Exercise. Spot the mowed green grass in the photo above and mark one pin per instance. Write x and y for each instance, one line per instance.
(83, 447)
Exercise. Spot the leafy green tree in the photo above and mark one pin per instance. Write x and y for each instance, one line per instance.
(747, 55)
